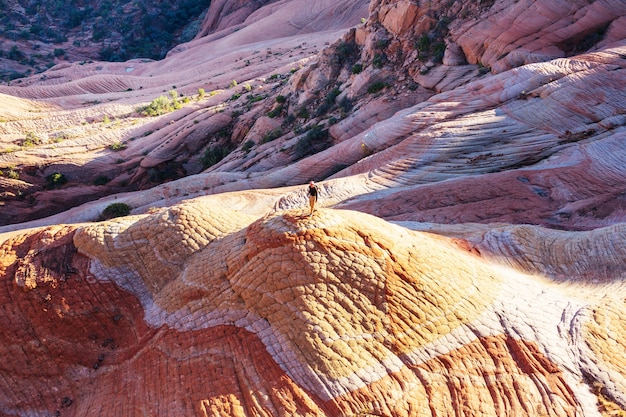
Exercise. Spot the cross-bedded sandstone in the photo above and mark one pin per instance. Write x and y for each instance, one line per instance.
(202, 310)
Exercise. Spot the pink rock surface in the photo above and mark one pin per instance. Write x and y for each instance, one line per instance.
(467, 252)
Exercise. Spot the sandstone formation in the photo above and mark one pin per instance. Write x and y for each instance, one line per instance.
(201, 310)
(467, 257)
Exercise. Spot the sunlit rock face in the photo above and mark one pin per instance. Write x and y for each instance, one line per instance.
(467, 253)
(197, 310)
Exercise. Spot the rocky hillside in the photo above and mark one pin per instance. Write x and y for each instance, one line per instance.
(36, 34)
(200, 310)
(466, 258)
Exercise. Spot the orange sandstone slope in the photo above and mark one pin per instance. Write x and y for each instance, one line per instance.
(204, 311)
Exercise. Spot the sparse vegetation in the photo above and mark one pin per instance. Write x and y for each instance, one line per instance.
(117, 146)
(115, 210)
(10, 173)
(162, 105)
(303, 113)
(376, 87)
(314, 140)
(101, 180)
(328, 103)
(140, 29)
(272, 135)
(431, 46)
(55, 180)
(213, 155)
(379, 60)
(346, 52)
(276, 111)
(30, 140)
(247, 146)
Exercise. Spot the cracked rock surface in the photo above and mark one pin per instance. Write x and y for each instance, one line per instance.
(201, 310)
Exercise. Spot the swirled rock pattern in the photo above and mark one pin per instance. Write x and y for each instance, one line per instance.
(467, 253)
(201, 310)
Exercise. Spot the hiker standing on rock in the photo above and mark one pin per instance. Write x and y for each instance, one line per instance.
(313, 191)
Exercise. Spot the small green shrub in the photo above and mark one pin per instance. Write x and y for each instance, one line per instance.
(423, 43)
(303, 113)
(213, 155)
(201, 93)
(10, 173)
(247, 146)
(346, 52)
(157, 107)
(379, 60)
(30, 140)
(275, 112)
(382, 43)
(252, 98)
(345, 104)
(55, 180)
(115, 210)
(117, 146)
(357, 68)
(272, 135)
(438, 49)
(376, 87)
(316, 133)
(281, 99)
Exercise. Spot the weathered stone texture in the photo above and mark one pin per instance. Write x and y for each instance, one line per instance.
(198, 310)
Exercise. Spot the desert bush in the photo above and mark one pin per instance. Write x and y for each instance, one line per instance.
(55, 180)
(310, 142)
(213, 155)
(115, 210)
(10, 173)
(346, 52)
(31, 139)
(101, 180)
(379, 60)
(247, 146)
(117, 146)
(345, 104)
(157, 107)
(303, 113)
(272, 135)
(376, 87)
(275, 111)
(162, 105)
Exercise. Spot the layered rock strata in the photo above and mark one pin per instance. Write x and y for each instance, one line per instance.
(197, 310)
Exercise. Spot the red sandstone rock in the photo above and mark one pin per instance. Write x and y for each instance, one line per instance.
(194, 313)
(238, 303)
